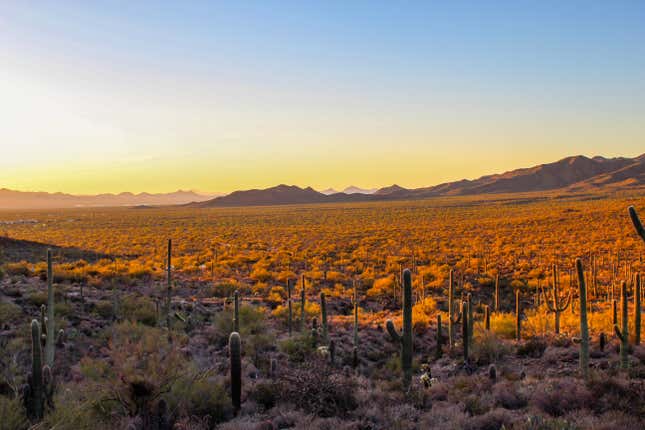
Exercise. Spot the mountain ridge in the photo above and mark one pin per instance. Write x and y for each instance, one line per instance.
(570, 174)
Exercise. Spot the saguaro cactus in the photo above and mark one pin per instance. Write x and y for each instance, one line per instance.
(235, 350)
(556, 304)
(584, 328)
(487, 317)
(637, 309)
(497, 292)
(51, 329)
(355, 349)
(438, 351)
(405, 338)
(236, 311)
(464, 329)
(637, 222)
(302, 305)
(623, 334)
(323, 316)
(169, 283)
(453, 315)
(290, 317)
(518, 316)
(39, 390)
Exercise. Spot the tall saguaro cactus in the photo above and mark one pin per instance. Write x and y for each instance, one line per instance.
(497, 292)
(355, 349)
(637, 309)
(51, 329)
(584, 328)
(453, 315)
(465, 329)
(623, 334)
(518, 316)
(556, 304)
(290, 318)
(405, 338)
(169, 285)
(302, 305)
(235, 349)
(323, 316)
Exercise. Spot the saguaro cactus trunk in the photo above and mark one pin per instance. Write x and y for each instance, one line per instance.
(51, 329)
(584, 328)
(623, 334)
(169, 283)
(235, 348)
(405, 338)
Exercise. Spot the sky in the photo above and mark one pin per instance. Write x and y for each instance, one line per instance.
(111, 96)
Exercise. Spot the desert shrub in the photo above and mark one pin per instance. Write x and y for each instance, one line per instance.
(265, 394)
(37, 298)
(559, 396)
(534, 347)
(317, 389)
(503, 324)
(12, 415)
(485, 281)
(139, 308)
(617, 395)
(21, 268)
(422, 314)
(104, 308)
(495, 419)
(143, 365)
(225, 289)
(74, 410)
(382, 287)
(508, 396)
(200, 396)
(312, 309)
(487, 347)
(297, 348)
(9, 313)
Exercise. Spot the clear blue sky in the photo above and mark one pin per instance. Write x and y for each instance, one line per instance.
(113, 96)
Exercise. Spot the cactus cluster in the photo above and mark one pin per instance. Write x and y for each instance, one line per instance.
(405, 338)
(38, 393)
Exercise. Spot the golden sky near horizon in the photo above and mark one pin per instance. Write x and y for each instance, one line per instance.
(103, 102)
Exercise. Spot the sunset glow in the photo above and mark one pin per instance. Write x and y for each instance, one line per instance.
(152, 97)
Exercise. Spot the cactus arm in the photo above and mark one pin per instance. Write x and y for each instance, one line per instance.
(236, 312)
(396, 337)
(563, 306)
(619, 334)
(637, 222)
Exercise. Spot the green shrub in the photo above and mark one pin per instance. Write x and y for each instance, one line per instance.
(37, 298)
(21, 268)
(297, 348)
(9, 313)
(139, 308)
(104, 308)
(200, 396)
(12, 415)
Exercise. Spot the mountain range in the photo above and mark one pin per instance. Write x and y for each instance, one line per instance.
(570, 174)
(10, 199)
(576, 174)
